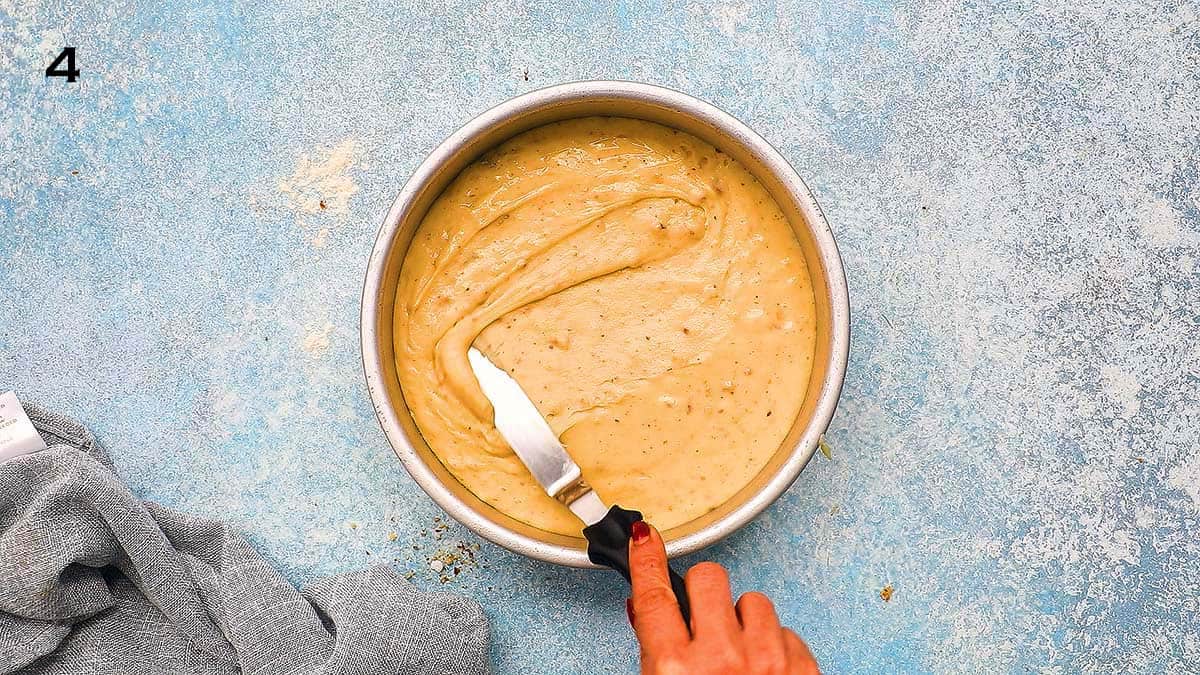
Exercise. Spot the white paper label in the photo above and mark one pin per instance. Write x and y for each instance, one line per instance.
(17, 435)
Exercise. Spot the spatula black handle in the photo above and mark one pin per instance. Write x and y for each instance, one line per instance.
(608, 545)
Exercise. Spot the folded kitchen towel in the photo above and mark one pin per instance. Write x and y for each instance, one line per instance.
(92, 580)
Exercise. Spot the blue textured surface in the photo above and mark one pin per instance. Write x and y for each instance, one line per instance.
(1015, 189)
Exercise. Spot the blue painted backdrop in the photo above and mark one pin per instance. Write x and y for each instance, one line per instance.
(1015, 188)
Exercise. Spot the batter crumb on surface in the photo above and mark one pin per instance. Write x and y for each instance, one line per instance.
(323, 182)
(824, 446)
(317, 339)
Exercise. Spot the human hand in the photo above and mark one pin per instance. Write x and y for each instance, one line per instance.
(745, 639)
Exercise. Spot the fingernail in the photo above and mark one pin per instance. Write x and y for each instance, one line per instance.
(629, 609)
(641, 531)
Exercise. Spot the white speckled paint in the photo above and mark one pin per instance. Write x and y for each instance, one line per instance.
(1015, 188)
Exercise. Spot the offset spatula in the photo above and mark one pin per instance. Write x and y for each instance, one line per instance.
(524, 428)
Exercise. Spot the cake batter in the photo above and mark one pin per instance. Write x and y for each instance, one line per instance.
(645, 291)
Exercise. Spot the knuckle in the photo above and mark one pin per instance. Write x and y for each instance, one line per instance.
(655, 597)
(731, 658)
(645, 563)
(772, 665)
(775, 661)
(670, 662)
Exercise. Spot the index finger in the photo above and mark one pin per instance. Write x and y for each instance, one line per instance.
(656, 617)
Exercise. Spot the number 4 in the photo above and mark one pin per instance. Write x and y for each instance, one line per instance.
(71, 73)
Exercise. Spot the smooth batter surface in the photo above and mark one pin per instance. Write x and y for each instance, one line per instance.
(644, 290)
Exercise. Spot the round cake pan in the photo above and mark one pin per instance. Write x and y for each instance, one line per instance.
(621, 99)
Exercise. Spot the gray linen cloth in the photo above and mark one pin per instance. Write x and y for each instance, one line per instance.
(92, 580)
